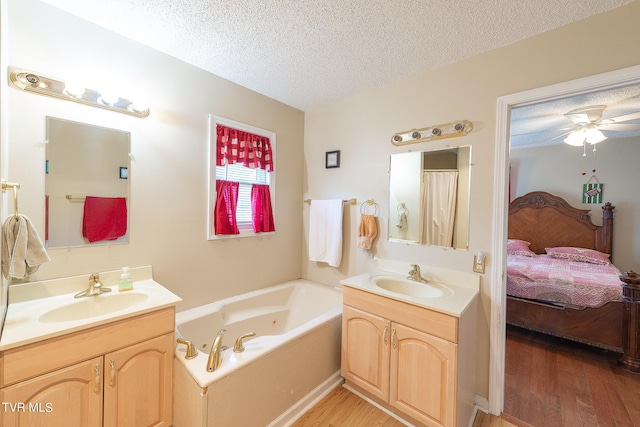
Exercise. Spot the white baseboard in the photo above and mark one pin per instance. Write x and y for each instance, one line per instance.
(299, 408)
(482, 403)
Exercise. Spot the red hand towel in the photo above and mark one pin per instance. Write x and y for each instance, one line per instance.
(105, 218)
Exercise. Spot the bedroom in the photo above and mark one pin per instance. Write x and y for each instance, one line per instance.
(539, 164)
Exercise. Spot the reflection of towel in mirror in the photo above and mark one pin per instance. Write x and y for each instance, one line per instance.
(105, 218)
(367, 231)
(22, 249)
(402, 220)
(325, 231)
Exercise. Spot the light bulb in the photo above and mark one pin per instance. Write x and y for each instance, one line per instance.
(73, 88)
(593, 136)
(109, 98)
(575, 138)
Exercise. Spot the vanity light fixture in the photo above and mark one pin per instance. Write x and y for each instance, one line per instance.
(30, 81)
(448, 130)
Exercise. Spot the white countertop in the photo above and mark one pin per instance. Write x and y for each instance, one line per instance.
(453, 305)
(23, 324)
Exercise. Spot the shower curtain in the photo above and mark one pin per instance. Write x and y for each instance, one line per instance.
(439, 195)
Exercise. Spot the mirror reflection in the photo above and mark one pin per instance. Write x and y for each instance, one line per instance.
(429, 197)
(87, 185)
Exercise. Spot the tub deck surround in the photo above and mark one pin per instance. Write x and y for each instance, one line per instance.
(464, 286)
(292, 362)
(24, 322)
(277, 314)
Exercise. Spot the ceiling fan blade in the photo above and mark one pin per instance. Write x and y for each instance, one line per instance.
(620, 127)
(578, 118)
(586, 115)
(551, 130)
(528, 143)
(624, 118)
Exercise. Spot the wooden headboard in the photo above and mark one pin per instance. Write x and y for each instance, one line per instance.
(547, 221)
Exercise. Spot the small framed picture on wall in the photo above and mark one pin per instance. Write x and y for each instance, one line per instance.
(332, 159)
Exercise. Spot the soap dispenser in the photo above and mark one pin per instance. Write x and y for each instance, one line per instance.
(126, 282)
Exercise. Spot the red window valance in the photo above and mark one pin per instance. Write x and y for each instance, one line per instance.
(236, 146)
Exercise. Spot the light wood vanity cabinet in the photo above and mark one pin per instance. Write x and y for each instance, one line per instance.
(119, 374)
(408, 358)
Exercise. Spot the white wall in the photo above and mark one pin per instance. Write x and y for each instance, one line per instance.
(558, 170)
(168, 175)
(361, 127)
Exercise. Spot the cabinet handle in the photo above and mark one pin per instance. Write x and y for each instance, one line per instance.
(384, 336)
(113, 372)
(393, 338)
(96, 384)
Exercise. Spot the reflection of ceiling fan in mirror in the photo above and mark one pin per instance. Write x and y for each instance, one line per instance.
(588, 125)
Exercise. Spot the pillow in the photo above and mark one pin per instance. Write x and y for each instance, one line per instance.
(519, 247)
(579, 254)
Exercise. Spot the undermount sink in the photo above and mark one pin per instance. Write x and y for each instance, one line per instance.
(411, 288)
(94, 306)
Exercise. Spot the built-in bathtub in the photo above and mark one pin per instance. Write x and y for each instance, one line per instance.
(291, 363)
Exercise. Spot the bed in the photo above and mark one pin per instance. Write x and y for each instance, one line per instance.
(584, 301)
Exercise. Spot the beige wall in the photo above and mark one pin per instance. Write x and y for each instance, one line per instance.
(361, 127)
(168, 174)
(558, 170)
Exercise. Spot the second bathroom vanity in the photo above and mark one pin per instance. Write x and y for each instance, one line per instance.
(102, 360)
(410, 346)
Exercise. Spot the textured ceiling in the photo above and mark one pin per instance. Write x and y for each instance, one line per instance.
(546, 124)
(308, 53)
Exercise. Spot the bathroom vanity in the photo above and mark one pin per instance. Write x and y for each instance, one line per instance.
(412, 355)
(79, 369)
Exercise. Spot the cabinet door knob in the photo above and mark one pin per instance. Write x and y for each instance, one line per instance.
(384, 336)
(113, 372)
(393, 338)
(96, 385)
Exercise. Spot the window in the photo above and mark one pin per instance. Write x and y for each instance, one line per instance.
(241, 181)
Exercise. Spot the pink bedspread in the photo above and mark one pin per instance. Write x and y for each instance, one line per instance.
(579, 283)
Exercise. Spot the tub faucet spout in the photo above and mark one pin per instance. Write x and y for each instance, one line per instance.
(215, 355)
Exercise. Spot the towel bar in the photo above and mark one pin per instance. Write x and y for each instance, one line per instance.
(350, 201)
(15, 186)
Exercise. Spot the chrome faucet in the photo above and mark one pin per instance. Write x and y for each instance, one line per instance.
(95, 287)
(215, 355)
(415, 275)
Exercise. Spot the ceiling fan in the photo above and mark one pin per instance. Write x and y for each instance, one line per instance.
(588, 125)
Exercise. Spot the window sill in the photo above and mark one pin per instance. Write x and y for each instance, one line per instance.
(243, 234)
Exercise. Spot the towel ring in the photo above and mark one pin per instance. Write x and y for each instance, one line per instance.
(369, 203)
(402, 208)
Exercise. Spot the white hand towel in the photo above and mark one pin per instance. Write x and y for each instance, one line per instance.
(22, 249)
(325, 231)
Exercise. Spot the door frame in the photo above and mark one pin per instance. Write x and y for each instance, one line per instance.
(609, 80)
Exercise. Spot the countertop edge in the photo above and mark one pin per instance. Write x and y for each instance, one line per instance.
(465, 295)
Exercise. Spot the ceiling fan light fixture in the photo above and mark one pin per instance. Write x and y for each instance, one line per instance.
(575, 138)
(593, 136)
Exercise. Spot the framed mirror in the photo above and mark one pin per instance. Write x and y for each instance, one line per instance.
(86, 185)
(429, 197)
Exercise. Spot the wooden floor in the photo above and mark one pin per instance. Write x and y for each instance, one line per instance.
(549, 382)
(341, 408)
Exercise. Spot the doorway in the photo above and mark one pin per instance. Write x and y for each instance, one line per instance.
(610, 80)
